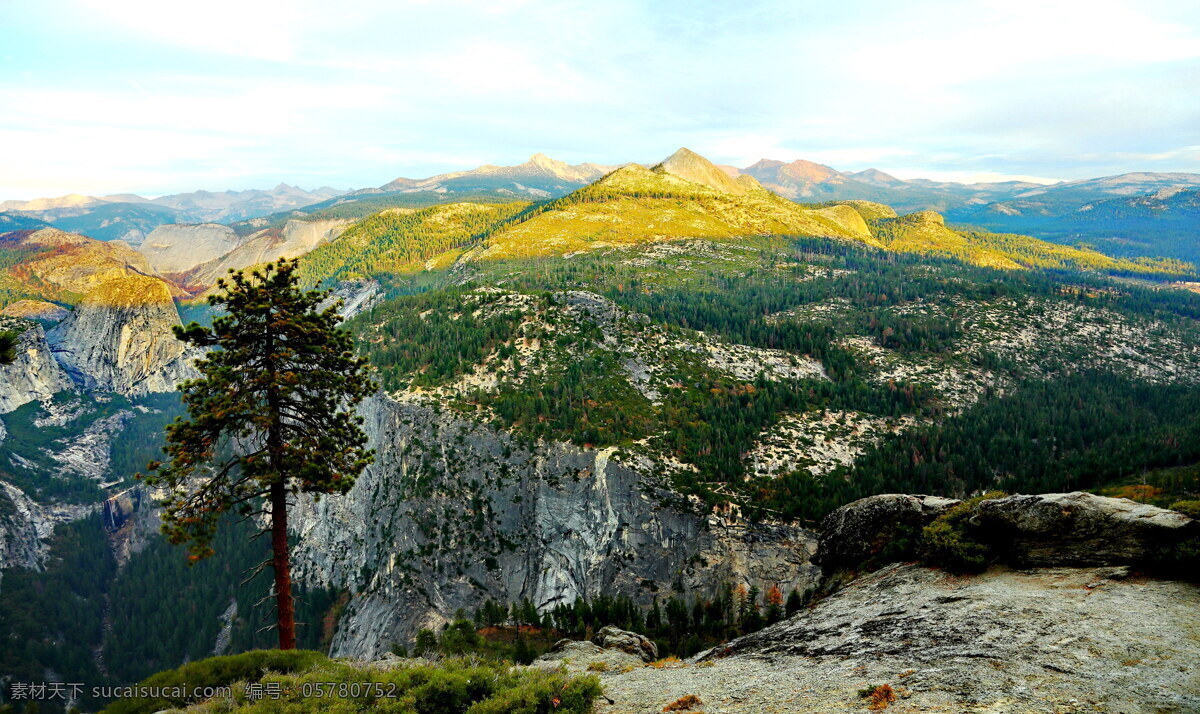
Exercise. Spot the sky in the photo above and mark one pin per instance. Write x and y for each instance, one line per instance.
(154, 97)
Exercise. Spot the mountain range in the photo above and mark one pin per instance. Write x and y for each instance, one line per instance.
(130, 217)
(1057, 212)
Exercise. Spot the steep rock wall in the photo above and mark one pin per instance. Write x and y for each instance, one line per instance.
(454, 512)
(176, 248)
(119, 339)
(34, 374)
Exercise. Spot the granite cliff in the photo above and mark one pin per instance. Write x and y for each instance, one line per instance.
(119, 339)
(454, 512)
(34, 375)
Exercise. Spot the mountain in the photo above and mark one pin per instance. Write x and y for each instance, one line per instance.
(131, 218)
(290, 240)
(685, 196)
(128, 222)
(231, 206)
(540, 177)
(55, 265)
(118, 338)
(70, 202)
(1053, 212)
(179, 247)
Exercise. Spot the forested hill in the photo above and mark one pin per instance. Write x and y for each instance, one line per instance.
(686, 196)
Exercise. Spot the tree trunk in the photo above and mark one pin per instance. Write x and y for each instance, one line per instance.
(284, 607)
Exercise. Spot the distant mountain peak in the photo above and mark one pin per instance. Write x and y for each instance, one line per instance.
(690, 166)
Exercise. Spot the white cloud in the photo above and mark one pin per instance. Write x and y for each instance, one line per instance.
(167, 96)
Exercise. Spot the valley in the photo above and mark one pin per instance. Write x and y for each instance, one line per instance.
(640, 382)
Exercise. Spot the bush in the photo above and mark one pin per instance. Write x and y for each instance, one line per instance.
(948, 543)
(217, 672)
(314, 683)
(543, 693)
(1187, 508)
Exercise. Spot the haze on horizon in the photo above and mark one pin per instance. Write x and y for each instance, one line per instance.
(114, 96)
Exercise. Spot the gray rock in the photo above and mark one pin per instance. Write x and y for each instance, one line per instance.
(1047, 641)
(119, 339)
(630, 642)
(874, 525)
(585, 656)
(1078, 529)
(34, 375)
(454, 512)
(178, 247)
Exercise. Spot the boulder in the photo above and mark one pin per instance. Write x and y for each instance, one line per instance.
(583, 656)
(1078, 529)
(629, 642)
(884, 525)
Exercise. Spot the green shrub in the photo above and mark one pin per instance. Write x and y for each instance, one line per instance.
(543, 693)
(948, 543)
(1187, 508)
(300, 682)
(217, 672)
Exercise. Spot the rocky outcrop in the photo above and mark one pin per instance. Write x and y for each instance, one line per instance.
(41, 311)
(1078, 529)
(179, 247)
(356, 296)
(924, 218)
(628, 642)
(34, 375)
(576, 657)
(294, 239)
(26, 526)
(454, 512)
(1050, 530)
(119, 339)
(875, 527)
(1050, 640)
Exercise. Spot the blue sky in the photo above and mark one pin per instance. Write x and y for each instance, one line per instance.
(104, 96)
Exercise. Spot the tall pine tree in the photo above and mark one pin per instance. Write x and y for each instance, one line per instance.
(270, 416)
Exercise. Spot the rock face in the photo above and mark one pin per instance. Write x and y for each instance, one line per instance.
(1051, 640)
(119, 339)
(294, 239)
(177, 248)
(356, 296)
(869, 527)
(454, 512)
(34, 375)
(1055, 529)
(1079, 529)
(25, 526)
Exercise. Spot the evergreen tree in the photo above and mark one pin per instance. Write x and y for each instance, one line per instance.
(8, 346)
(270, 415)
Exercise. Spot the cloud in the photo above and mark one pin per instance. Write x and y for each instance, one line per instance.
(167, 97)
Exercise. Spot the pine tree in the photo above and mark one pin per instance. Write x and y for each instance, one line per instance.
(8, 346)
(270, 416)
